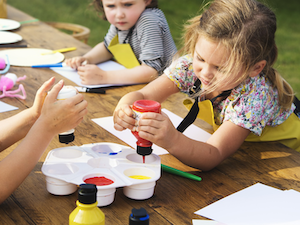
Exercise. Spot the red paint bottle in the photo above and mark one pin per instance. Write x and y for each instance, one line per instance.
(144, 147)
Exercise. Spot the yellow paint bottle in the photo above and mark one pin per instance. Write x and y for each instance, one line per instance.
(87, 212)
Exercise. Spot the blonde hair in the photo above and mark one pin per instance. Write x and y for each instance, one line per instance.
(246, 28)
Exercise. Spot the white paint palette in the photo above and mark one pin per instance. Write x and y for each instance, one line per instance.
(66, 168)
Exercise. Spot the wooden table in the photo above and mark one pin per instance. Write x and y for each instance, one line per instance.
(176, 198)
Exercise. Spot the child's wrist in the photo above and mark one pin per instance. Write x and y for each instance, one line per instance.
(33, 114)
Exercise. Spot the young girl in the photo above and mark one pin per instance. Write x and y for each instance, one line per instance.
(138, 38)
(230, 52)
(37, 125)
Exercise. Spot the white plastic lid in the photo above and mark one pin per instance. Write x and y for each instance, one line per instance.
(66, 92)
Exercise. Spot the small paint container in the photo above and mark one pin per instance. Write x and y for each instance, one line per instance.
(140, 191)
(59, 187)
(105, 196)
(105, 193)
(145, 188)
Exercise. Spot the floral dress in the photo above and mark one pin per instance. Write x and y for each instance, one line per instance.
(252, 105)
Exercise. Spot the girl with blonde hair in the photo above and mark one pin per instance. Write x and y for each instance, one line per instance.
(227, 64)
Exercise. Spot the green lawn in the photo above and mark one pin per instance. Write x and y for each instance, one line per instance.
(177, 12)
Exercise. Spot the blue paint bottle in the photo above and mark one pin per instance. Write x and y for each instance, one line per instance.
(139, 217)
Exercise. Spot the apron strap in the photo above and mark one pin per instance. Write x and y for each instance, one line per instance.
(192, 114)
(297, 104)
(190, 117)
(128, 34)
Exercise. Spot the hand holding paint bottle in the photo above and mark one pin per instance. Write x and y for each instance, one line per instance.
(144, 147)
(66, 92)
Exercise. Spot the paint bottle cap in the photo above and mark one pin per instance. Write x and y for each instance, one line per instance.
(143, 150)
(87, 193)
(66, 138)
(139, 217)
(146, 106)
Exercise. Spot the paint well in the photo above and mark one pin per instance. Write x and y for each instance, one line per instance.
(99, 181)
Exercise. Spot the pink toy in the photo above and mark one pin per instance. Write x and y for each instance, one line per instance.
(7, 82)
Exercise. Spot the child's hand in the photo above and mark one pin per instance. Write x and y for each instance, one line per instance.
(62, 115)
(40, 97)
(157, 128)
(123, 118)
(92, 74)
(75, 62)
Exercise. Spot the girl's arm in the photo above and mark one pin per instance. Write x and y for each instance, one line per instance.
(91, 74)
(15, 128)
(56, 117)
(158, 129)
(205, 156)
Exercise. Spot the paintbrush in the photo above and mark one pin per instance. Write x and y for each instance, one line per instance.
(60, 50)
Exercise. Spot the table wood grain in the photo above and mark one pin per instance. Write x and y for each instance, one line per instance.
(176, 198)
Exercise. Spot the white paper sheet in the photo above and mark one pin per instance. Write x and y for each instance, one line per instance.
(72, 74)
(258, 204)
(206, 222)
(6, 107)
(192, 131)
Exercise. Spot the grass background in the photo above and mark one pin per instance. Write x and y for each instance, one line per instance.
(177, 12)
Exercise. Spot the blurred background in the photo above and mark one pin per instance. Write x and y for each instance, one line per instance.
(177, 13)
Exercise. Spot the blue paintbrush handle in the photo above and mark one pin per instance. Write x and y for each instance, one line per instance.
(48, 65)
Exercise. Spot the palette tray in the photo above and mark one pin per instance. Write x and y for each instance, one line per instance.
(108, 165)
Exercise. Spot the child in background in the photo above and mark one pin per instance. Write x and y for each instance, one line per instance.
(230, 50)
(38, 124)
(138, 38)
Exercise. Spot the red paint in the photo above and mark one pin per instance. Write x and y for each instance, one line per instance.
(142, 106)
(143, 159)
(98, 181)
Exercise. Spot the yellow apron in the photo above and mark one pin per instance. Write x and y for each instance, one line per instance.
(123, 53)
(287, 133)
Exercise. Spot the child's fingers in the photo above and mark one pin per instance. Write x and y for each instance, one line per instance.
(118, 127)
(46, 86)
(52, 95)
(128, 111)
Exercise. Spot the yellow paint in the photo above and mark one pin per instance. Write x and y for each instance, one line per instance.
(140, 177)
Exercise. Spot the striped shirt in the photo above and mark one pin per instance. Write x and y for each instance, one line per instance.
(150, 40)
